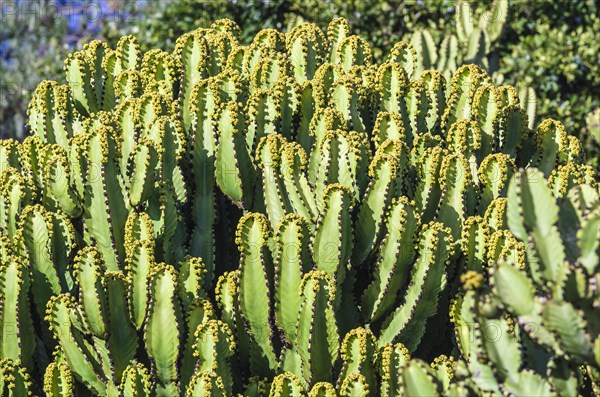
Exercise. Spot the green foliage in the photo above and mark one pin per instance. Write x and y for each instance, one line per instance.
(551, 46)
(35, 38)
(25, 61)
(291, 217)
(548, 46)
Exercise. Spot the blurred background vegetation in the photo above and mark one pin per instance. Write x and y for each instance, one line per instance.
(551, 46)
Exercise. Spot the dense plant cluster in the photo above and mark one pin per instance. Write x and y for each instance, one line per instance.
(291, 218)
(35, 37)
(548, 46)
(551, 46)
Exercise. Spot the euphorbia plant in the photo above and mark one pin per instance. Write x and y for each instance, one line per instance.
(290, 218)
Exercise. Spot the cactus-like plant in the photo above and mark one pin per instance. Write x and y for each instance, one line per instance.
(473, 41)
(289, 218)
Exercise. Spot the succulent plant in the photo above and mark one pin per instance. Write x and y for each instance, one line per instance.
(289, 218)
(473, 40)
